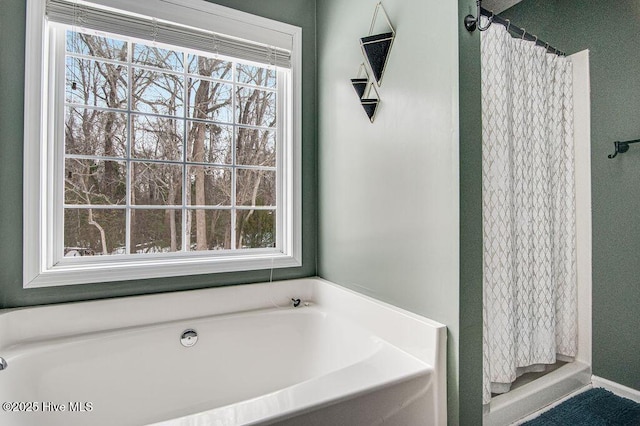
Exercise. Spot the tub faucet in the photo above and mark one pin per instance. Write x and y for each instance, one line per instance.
(3, 364)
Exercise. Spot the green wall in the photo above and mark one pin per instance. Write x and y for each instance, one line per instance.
(398, 198)
(470, 221)
(611, 32)
(12, 27)
(403, 243)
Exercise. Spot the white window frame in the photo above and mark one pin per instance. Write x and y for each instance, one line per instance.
(42, 264)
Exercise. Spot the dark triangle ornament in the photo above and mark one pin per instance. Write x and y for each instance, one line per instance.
(359, 84)
(370, 106)
(376, 49)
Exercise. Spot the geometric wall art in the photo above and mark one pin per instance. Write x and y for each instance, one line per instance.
(375, 50)
(367, 92)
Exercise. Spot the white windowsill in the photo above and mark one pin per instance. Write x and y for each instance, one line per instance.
(79, 273)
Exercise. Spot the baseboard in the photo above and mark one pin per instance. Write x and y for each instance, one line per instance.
(617, 388)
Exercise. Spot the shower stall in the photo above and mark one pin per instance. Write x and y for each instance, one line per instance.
(536, 221)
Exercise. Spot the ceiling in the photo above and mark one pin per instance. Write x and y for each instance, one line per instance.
(498, 6)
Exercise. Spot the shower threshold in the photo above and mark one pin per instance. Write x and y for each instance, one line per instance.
(528, 397)
(530, 377)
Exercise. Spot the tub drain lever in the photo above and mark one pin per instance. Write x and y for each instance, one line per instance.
(296, 302)
(3, 364)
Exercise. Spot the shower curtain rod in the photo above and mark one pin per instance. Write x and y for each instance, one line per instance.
(519, 31)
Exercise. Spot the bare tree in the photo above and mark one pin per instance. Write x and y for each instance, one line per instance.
(257, 107)
(207, 100)
(154, 92)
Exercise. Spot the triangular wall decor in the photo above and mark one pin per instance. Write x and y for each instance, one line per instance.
(370, 100)
(367, 92)
(370, 106)
(376, 50)
(360, 85)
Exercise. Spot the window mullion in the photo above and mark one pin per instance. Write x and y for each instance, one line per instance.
(128, 151)
(185, 144)
(234, 168)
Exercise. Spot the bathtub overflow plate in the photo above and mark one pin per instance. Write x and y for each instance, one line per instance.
(189, 338)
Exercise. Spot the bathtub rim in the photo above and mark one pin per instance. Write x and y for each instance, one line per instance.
(44, 322)
(416, 335)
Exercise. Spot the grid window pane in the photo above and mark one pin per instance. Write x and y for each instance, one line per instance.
(209, 230)
(96, 83)
(210, 100)
(92, 45)
(256, 76)
(255, 187)
(157, 57)
(255, 107)
(210, 67)
(94, 232)
(157, 92)
(255, 229)
(96, 182)
(156, 231)
(157, 138)
(156, 184)
(210, 143)
(95, 132)
(210, 186)
(255, 147)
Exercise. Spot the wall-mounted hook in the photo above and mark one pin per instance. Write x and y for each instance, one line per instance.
(471, 22)
(622, 147)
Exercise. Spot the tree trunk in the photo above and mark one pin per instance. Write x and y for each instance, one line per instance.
(254, 196)
(172, 217)
(112, 74)
(198, 133)
(103, 237)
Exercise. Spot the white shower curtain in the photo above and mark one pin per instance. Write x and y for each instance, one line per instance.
(530, 310)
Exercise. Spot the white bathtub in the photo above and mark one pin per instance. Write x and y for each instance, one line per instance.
(339, 358)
